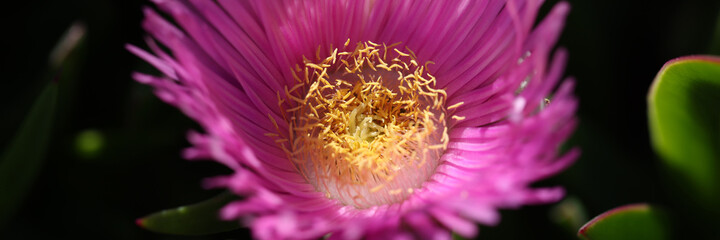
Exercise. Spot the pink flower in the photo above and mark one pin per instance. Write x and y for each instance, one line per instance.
(374, 119)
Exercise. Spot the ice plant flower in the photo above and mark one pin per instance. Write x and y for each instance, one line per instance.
(368, 119)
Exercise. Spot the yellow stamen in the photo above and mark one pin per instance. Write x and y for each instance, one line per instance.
(459, 118)
(357, 124)
(455, 105)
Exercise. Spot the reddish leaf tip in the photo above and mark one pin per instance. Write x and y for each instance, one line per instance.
(56, 78)
(140, 222)
(706, 58)
(635, 206)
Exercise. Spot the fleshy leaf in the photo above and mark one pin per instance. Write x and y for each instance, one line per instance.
(684, 116)
(23, 158)
(635, 221)
(197, 219)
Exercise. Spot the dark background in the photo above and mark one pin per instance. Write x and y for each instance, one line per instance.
(616, 48)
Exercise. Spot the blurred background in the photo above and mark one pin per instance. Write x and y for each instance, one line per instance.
(114, 152)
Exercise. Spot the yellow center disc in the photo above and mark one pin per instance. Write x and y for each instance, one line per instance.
(367, 126)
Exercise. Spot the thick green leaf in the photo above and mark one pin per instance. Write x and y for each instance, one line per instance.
(684, 116)
(23, 158)
(197, 219)
(636, 221)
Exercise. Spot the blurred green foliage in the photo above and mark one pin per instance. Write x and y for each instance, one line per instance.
(89, 143)
(23, 158)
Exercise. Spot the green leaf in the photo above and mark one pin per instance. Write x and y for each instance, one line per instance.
(684, 117)
(198, 219)
(23, 158)
(636, 221)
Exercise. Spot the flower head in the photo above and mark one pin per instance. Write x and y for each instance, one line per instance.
(368, 118)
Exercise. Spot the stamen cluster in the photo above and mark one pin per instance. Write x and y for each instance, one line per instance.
(365, 129)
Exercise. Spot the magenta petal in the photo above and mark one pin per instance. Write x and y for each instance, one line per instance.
(228, 64)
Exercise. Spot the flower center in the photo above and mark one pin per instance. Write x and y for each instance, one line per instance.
(367, 127)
